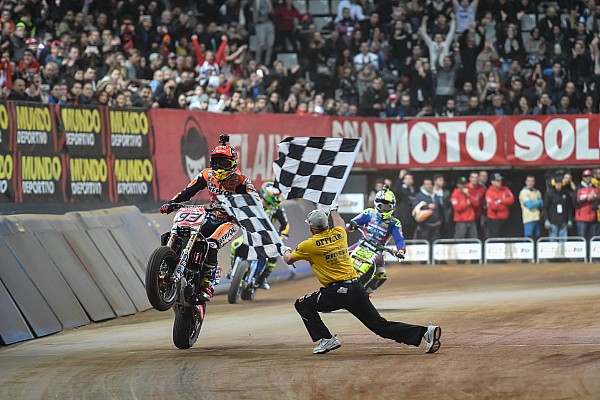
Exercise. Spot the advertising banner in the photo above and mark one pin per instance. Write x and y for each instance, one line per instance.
(424, 143)
(35, 129)
(132, 180)
(6, 139)
(83, 129)
(7, 161)
(42, 178)
(130, 133)
(184, 140)
(88, 179)
(553, 140)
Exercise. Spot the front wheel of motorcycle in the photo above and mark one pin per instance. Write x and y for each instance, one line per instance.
(186, 328)
(160, 288)
(237, 282)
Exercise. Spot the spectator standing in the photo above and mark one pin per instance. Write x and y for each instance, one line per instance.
(439, 188)
(498, 199)
(586, 202)
(465, 11)
(426, 199)
(378, 187)
(372, 103)
(544, 105)
(17, 92)
(477, 191)
(287, 19)
(265, 31)
(464, 203)
(558, 209)
(532, 205)
(440, 46)
(365, 57)
(405, 193)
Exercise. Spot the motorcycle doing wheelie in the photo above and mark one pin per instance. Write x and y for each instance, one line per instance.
(364, 257)
(174, 274)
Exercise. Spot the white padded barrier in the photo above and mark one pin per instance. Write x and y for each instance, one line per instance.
(417, 251)
(457, 249)
(594, 249)
(571, 248)
(519, 248)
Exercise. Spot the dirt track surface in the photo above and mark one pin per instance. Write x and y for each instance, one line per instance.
(508, 332)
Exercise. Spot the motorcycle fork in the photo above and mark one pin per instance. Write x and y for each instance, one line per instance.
(185, 255)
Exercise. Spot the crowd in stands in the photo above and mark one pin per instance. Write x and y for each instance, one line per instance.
(387, 58)
(481, 205)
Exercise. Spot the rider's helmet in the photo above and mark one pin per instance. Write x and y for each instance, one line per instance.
(270, 194)
(384, 203)
(223, 159)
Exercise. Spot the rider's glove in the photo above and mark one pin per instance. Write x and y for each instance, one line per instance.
(351, 226)
(400, 254)
(166, 208)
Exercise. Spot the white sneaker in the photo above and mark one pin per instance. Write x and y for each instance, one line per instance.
(432, 338)
(326, 345)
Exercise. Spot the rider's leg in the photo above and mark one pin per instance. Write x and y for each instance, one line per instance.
(220, 236)
(262, 279)
(380, 273)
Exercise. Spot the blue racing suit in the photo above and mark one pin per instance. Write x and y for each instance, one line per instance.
(379, 230)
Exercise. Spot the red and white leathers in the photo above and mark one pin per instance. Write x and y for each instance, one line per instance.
(584, 202)
(498, 202)
(218, 227)
(464, 205)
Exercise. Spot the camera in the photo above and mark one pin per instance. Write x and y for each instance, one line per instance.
(224, 139)
(45, 87)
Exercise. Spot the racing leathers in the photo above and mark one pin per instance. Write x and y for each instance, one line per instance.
(279, 219)
(219, 228)
(379, 230)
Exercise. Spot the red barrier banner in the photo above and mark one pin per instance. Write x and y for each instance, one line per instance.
(6, 139)
(184, 140)
(553, 140)
(424, 143)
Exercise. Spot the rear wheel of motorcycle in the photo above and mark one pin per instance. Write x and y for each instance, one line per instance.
(161, 291)
(186, 327)
(237, 282)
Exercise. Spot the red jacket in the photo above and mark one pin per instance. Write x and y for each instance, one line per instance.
(463, 206)
(498, 202)
(586, 206)
(478, 193)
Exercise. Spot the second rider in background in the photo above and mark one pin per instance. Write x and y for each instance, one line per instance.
(271, 200)
(379, 225)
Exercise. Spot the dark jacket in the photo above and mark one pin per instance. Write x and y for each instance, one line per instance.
(558, 207)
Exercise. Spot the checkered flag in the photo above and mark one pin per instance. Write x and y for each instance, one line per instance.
(314, 168)
(259, 233)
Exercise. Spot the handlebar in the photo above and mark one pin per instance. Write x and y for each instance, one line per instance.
(377, 245)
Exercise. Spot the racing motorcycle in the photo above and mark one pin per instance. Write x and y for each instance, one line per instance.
(363, 259)
(244, 277)
(174, 273)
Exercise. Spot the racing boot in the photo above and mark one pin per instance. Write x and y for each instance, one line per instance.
(207, 290)
(262, 279)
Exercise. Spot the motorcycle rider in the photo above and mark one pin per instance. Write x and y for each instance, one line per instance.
(222, 178)
(379, 225)
(271, 200)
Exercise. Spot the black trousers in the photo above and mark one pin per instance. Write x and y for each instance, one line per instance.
(354, 298)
